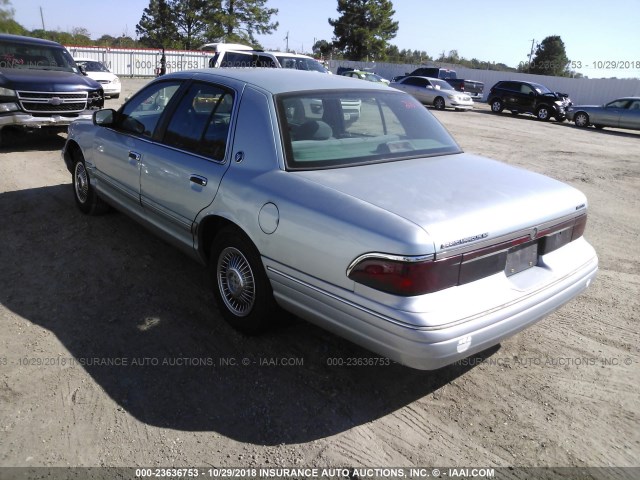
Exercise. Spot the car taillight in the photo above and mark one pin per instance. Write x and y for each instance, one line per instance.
(406, 276)
(410, 276)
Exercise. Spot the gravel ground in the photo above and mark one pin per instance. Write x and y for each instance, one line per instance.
(183, 389)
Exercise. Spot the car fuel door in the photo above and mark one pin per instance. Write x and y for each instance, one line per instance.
(180, 175)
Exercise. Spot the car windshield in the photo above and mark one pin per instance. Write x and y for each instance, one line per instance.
(92, 66)
(35, 57)
(301, 63)
(342, 129)
(541, 88)
(441, 84)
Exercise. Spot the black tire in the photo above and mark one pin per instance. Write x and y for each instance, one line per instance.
(599, 127)
(240, 284)
(439, 103)
(543, 113)
(581, 119)
(515, 112)
(117, 95)
(85, 195)
(497, 106)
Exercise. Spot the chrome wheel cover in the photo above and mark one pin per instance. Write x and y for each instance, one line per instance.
(236, 281)
(581, 120)
(81, 183)
(496, 106)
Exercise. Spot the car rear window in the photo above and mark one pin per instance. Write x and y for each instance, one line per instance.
(340, 129)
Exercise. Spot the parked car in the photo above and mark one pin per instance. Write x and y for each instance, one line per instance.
(620, 113)
(101, 74)
(433, 91)
(528, 97)
(258, 58)
(41, 86)
(368, 76)
(381, 230)
(473, 88)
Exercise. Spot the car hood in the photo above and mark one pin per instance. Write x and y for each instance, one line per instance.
(45, 80)
(457, 198)
(106, 76)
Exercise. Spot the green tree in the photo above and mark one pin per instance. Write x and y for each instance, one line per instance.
(237, 21)
(364, 28)
(322, 47)
(190, 20)
(157, 26)
(7, 23)
(551, 58)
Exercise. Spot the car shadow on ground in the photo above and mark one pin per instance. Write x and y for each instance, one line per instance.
(137, 315)
(20, 140)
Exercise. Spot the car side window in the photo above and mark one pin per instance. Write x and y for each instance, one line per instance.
(141, 114)
(200, 123)
(417, 82)
(635, 105)
(618, 104)
(526, 89)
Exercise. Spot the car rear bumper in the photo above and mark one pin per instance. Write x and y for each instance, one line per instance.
(425, 348)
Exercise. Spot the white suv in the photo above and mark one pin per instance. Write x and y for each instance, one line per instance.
(258, 58)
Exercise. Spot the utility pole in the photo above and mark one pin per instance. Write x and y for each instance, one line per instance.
(287, 39)
(42, 18)
(533, 40)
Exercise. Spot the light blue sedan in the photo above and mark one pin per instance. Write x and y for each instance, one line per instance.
(620, 113)
(378, 228)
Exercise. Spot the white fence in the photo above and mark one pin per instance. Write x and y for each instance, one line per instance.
(146, 62)
(591, 91)
(142, 62)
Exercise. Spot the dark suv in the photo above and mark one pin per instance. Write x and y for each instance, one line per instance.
(41, 86)
(528, 97)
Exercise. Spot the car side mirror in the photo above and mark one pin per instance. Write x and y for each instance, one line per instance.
(104, 118)
(83, 70)
(429, 87)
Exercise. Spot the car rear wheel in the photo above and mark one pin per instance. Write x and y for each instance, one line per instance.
(439, 103)
(241, 287)
(85, 195)
(543, 113)
(497, 106)
(581, 120)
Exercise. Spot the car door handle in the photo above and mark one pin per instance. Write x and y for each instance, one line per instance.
(202, 181)
(135, 156)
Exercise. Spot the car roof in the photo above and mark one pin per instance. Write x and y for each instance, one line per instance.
(279, 80)
(30, 40)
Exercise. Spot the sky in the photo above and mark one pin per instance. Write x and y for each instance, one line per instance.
(601, 37)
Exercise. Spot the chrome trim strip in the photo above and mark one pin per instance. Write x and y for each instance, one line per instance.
(387, 256)
(342, 300)
(101, 178)
(162, 212)
(505, 238)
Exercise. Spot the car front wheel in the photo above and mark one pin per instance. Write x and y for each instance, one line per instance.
(497, 106)
(241, 287)
(439, 103)
(543, 113)
(581, 120)
(85, 195)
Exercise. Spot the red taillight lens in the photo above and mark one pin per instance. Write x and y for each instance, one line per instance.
(407, 278)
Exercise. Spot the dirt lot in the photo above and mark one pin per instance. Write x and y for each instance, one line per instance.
(77, 293)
